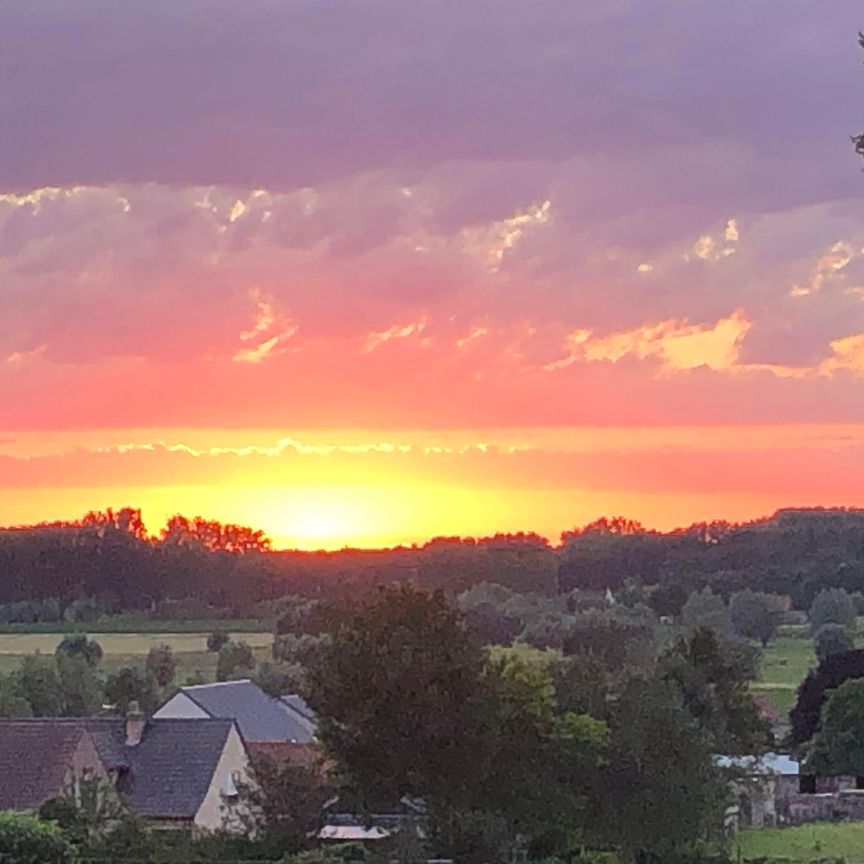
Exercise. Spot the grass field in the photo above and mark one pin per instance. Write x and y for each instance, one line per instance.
(123, 643)
(803, 844)
(130, 649)
(786, 661)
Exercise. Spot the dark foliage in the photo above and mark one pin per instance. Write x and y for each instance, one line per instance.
(106, 563)
(814, 690)
(79, 645)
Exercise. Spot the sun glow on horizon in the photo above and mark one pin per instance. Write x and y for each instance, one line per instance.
(328, 489)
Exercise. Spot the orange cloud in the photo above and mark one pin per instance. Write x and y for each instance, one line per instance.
(678, 346)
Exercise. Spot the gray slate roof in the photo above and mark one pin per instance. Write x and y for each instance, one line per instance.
(171, 769)
(169, 772)
(259, 717)
(298, 704)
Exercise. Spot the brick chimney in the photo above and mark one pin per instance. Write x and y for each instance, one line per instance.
(135, 723)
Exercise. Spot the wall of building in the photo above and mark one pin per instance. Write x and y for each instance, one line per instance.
(85, 764)
(180, 707)
(215, 811)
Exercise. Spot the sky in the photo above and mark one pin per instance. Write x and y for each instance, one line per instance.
(363, 272)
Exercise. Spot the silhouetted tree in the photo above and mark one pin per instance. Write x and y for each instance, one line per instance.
(213, 536)
(814, 689)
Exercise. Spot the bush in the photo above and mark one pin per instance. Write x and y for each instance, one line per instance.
(161, 664)
(278, 679)
(131, 684)
(66, 815)
(26, 840)
(234, 658)
(216, 640)
(78, 645)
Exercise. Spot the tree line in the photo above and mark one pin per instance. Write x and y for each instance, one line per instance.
(195, 568)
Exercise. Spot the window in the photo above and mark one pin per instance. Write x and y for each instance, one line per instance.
(231, 788)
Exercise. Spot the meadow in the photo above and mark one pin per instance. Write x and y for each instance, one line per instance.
(130, 649)
(786, 661)
(803, 844)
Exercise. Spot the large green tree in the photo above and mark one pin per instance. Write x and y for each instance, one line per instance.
(659, 791)
(536, 762)
(710, 674)
(754, 615)
(706, 609)
(832, 606)
(838, 746)
(399, 693)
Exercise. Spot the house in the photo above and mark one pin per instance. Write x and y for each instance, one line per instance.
(44, 758)
(778, 790)
(762, 788)
(278, 729)
(173, 772)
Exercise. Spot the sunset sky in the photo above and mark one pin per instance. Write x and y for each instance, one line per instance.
(369, 271)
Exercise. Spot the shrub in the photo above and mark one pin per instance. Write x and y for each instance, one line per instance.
(216, 640)
(78, 645)
(161, 664)
(26, 840)
(234, 658)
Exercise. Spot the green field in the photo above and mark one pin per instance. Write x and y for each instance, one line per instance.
(124, 643)
(803, 844)
(785, 663)
(130, 649)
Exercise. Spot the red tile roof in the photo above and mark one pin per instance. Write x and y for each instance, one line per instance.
(35, 756)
